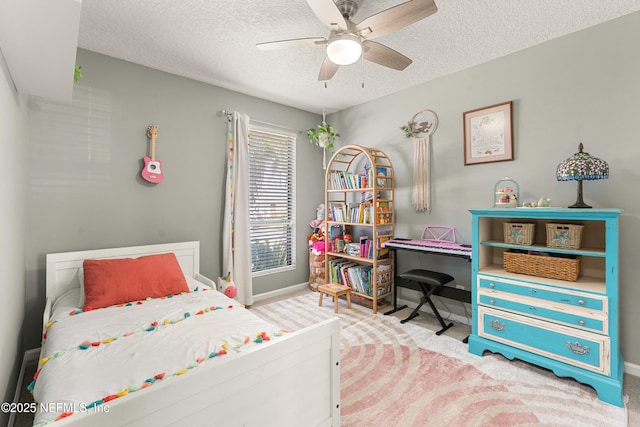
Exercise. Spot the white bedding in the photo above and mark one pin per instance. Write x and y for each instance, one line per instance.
(94, 356)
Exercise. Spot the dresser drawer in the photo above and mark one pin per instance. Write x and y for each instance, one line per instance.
(563, 296)
(585, 319)
(579, 348)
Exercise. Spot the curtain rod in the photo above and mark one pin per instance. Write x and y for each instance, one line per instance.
(230, 113)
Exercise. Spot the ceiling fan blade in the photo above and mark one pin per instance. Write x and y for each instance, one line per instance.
(395, 18)
(328, 13)
(286, 44)
(383, 55)
(327, 70)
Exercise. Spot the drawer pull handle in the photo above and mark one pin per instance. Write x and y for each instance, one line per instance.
(492, 285)
(581, 301)
(495, 324)
(581, 322)
(577, 348)
(492, 302)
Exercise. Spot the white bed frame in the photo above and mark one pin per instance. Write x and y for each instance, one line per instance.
(294, 380)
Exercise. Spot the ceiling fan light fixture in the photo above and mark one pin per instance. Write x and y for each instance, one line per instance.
(344, 49)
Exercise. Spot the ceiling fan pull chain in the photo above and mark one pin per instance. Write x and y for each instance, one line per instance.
(362, 68)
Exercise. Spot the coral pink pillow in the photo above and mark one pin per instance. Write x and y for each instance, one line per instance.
(115, 281)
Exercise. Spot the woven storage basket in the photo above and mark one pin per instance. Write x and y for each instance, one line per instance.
(542, 266)
(519, 233)
(565, 236)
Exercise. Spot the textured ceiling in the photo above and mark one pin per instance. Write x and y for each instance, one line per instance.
(214, 41)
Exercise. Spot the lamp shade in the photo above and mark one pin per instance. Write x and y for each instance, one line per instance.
(582, 166)
(344, 49)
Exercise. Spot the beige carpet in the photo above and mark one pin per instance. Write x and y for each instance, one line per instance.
(405, 375)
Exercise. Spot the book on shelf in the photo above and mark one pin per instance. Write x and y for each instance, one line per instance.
(384, 274)
(383, 205)
(382, 171)
(351, 274)
(365, 213)
(383, 281)
(338, 211)
(335, 231)
(361, 279)
(384, 211)
(354, 208)
(382, 176)
(337, 269)
(345, 180)
(382, 237)
(358, 213)
(370, 247)
(364, 242)
(384, 219)
(366, 196)
(353, 249)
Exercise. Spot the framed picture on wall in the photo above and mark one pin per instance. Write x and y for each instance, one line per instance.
(488, 135)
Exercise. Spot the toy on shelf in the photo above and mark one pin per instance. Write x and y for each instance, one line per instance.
(316, 238)
(543, 202)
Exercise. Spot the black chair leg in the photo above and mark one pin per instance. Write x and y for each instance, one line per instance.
(416, 311)
(437, 313)
(429, 282)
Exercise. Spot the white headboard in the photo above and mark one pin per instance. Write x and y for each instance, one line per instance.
(62, 268)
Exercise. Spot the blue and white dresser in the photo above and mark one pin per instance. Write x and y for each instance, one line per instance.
(569, 327)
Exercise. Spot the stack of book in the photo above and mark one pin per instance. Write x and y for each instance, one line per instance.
(341, 180)
(359, 277)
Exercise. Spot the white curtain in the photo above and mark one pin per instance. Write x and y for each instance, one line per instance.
(236, 242)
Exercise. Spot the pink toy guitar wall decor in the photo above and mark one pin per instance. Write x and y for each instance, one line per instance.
(152, 170)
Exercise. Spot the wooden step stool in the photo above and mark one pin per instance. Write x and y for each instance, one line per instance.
(335, 290)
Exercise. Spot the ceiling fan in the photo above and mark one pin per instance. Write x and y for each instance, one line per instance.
(348, 41)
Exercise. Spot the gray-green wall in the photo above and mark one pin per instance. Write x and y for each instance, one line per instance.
(85, 189)
(13, 163)
(584, 87)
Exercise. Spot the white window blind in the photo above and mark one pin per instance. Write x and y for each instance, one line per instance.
(272, 200)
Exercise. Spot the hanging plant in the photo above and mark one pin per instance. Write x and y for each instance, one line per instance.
(408, 131)
(323, 136)
(77, 74)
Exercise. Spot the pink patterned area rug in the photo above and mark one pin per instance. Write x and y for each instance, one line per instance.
(405, 375)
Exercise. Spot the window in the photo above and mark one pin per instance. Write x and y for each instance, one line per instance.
(272, 200)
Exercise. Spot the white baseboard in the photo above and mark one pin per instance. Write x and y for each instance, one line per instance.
(280, 292)
(632, 369)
